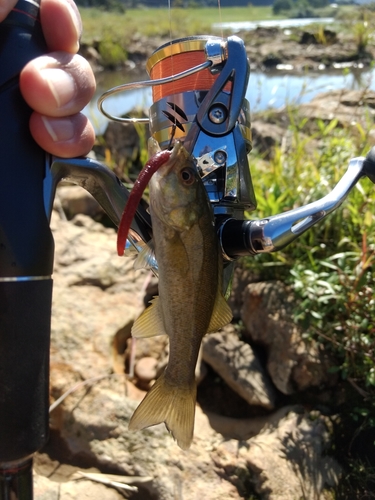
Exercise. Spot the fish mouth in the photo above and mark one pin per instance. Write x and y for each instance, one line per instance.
(165, 169)
(158, 167)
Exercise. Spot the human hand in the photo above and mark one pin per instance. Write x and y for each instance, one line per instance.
(58, 85)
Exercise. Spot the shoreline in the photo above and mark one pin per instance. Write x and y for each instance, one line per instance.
(288, 51)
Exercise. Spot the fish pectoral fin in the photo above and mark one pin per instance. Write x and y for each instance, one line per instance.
(173, 405)
(221, 315)
(150, 322)
(146, 258)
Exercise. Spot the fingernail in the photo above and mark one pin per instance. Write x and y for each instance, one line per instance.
(76, 19)
(59, 129)
(61, 84)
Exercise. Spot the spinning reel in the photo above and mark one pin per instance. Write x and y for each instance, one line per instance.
(198, 89)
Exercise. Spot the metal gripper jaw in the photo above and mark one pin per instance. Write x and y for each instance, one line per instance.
(214, 126)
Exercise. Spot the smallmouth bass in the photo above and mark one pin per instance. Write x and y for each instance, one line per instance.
(190, 302)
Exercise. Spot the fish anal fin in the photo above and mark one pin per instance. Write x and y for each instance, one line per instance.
(173, 405)
(221, 314)
(150, 322)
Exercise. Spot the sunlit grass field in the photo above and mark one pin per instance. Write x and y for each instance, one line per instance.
(162, 22)
(174, 23)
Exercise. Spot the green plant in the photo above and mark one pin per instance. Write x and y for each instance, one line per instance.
(331, 266)
(337, 301)
(280, 6)
(362, 32)
(111, 52)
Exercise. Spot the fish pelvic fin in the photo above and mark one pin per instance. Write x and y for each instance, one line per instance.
(173, 405)
(221, 315)
(150, 322)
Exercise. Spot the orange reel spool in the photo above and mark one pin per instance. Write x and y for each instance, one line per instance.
(174, 58)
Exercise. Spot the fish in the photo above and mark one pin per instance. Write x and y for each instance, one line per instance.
(190, 303)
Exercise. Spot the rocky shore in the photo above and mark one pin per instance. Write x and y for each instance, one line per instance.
(294, 49)
(265, 425)
(248, 437)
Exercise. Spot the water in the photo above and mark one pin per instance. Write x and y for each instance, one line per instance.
(274, 90)
(265, 90)
(281, 23)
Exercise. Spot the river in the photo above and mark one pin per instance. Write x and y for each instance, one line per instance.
(265, 90)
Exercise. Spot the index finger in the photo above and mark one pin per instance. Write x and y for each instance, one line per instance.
(62, 25)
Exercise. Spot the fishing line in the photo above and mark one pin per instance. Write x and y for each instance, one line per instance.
(220, 18)
(173, 130)
(178, 67)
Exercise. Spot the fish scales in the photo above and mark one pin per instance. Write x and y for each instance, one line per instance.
(190, 302)
(187, 297)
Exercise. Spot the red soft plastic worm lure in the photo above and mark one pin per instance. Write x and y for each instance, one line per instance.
(152, 165)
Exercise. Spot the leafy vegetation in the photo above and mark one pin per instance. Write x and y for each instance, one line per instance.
(331, 266)
(331, 269)
(299, 8)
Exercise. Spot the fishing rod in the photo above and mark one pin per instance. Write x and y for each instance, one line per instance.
(199, 86)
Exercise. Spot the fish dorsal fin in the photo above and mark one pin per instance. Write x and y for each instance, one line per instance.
(146, 258)
(150, 322)
(221, 315)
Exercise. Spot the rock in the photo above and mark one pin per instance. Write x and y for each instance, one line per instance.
(91, 53)
(85, 254)
(348, 107)
(237, 364)
(285, 461)
(265, 137)
(97, 296)
(241, 278)
(307, 38)
(293, 364)
(85, 318)
(146, 369)
(327, 36)
(82, 489)
(76, 200)
(270, 61)
(243, 429)
(94, 428)
(122, 141)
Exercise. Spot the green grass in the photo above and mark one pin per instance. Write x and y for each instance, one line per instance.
(330, 267)
(160, 22)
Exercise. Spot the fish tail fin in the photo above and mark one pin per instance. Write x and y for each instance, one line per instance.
(175, 406)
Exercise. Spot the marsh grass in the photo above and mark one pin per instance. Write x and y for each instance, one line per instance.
(162, 23)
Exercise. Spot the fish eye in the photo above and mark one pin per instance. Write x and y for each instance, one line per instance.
(187, 176)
